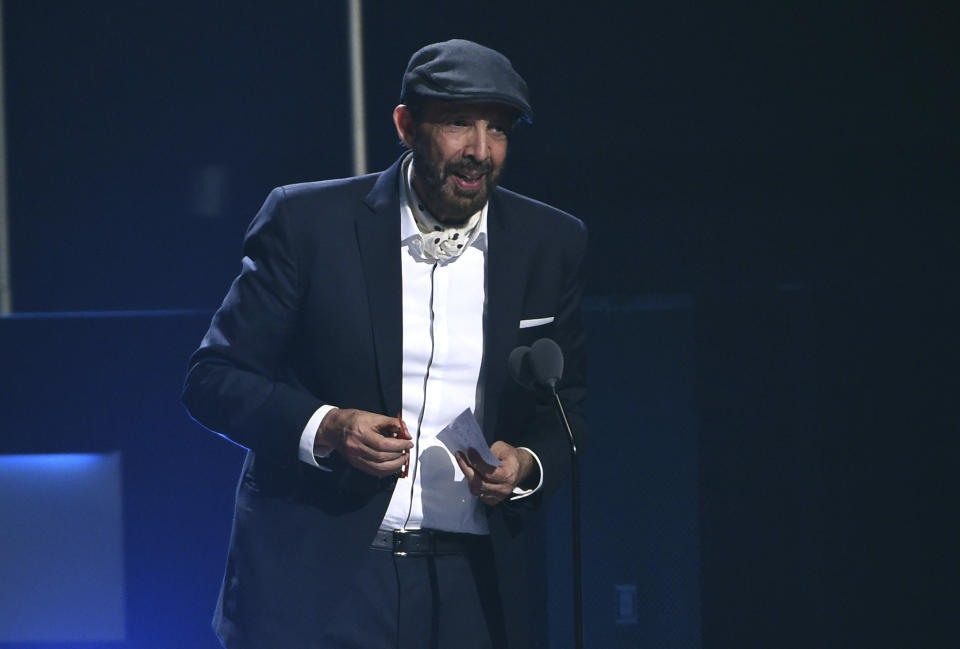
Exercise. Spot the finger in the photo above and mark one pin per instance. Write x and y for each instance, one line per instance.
(478, 462)
(499, 491)
(501, 450)
(492, 497)
(392, 465)
(509, 467)
(373, 447)
(387, 444)
(464, 465)
(390, 428)
(474, 479)
(364, 452)
(378, 457)
(492, 475)
(379, 469)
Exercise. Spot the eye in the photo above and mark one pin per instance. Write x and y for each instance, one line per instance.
(455, 125)
(498, 130)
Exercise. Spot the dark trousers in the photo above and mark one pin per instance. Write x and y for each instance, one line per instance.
(431, 602)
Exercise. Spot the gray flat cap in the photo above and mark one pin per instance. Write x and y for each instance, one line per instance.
(463, 71)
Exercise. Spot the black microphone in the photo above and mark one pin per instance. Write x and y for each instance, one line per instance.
(539, 366)
(546, 363)
(520, 368)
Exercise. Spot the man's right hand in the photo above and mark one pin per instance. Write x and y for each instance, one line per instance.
(373, 443)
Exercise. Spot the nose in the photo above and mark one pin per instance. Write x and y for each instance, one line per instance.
(477, 145)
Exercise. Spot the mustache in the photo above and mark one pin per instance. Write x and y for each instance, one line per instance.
(469, 165)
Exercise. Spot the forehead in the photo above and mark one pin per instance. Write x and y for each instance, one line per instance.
(490, 112)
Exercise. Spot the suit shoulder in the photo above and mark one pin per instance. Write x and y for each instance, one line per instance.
(304, 204)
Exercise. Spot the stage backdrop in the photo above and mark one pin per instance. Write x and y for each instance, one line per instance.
(770, 190)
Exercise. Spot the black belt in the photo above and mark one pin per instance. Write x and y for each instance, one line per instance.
(424, 543)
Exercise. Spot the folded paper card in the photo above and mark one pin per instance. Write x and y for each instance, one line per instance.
(463, 433)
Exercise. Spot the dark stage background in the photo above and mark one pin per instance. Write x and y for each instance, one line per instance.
(770, 190)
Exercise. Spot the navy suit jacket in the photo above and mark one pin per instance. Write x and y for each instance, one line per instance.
(315, 317)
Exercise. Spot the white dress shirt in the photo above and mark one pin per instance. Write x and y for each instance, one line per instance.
(443, 313)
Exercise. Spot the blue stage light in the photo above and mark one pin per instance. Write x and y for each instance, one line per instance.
(51, 460)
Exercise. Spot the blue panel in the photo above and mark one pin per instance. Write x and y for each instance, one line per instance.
(61, 552)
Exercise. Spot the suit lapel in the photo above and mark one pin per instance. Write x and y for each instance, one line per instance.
(504, 276)
(378, 235)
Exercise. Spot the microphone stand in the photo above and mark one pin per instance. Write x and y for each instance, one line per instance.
(574, 524)
(541, 366)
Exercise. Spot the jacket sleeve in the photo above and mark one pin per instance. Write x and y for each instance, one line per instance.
(234, 385)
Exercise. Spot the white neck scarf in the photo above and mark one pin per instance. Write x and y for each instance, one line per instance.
(439, 241)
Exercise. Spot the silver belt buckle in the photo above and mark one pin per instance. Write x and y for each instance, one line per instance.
(397, 542)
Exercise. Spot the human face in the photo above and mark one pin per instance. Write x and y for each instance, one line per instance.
(459, 151)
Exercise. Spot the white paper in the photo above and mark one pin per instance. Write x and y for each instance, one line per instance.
(463, 433)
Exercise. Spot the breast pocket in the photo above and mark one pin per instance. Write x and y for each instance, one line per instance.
(531, 329)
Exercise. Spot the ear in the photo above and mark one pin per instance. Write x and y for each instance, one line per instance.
(403, 120)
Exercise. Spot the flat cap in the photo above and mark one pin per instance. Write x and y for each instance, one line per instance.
(466, 72)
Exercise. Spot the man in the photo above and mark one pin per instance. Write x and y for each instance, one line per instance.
(398, 293)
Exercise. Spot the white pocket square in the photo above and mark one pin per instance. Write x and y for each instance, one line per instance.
(535, 322)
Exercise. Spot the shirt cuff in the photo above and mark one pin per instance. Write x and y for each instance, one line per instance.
(309, 436)
(519, 493)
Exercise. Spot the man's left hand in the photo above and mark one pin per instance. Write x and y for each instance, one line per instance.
(494, 484)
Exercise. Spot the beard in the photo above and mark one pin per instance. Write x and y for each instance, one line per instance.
(448, 202)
